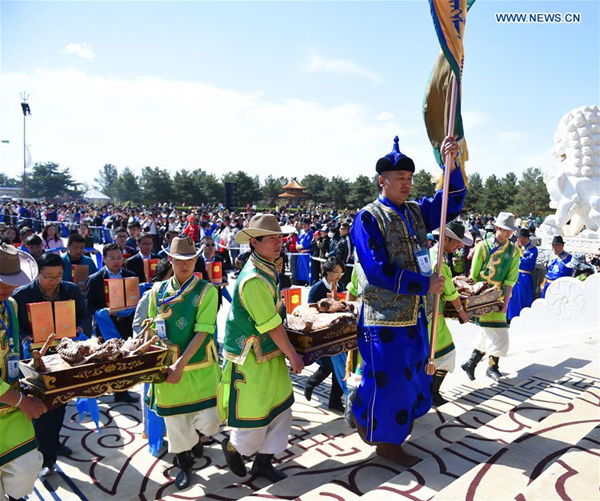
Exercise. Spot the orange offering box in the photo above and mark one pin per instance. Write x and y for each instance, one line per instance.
(150, 269)
(132, 291)
(292, 298)
(79, 275)
(114, 292)
(65, 323)
(215, 272)
(41, 320)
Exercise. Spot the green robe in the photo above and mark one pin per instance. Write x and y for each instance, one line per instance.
(256, 386)
(498, 266)
(193, 311)
(17, 436)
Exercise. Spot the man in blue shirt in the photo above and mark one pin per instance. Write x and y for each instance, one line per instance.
(523, 293)
(74, 255)
(558, 265)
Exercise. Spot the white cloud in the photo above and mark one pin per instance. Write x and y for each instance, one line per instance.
(473, 118)
(316, 64)
(82, 50)
(83, 121)
(385, 116)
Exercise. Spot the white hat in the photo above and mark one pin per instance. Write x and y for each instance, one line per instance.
(506, 221)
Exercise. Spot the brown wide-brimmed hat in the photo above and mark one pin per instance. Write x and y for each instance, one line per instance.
(262, 225)
(17, 268)
(182, 248)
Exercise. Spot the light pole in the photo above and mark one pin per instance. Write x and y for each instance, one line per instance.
(26, 111)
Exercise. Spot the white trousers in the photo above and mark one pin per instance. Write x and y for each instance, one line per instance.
(18, 476)
(271, 439)
(182, 430)
(492, 341)
(446, 362)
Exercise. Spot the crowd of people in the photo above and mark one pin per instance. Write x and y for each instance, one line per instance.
(383, 255)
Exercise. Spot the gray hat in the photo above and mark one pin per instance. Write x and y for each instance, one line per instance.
(506, 221)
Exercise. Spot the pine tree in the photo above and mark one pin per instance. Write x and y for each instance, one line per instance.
(423, 185)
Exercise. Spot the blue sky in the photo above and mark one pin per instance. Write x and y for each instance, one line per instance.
(283, 88)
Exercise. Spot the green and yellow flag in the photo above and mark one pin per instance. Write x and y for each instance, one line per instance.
(449, 20)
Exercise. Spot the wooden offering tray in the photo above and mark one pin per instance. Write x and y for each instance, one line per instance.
(327, 342)
(63, 382)
(476, 305)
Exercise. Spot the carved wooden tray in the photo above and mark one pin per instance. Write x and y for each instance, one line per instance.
(96, 379)
(324, 342)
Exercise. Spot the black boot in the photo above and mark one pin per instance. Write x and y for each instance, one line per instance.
(438, 378)
(263, 467)
(335, 395)
(185, 461)
(198, 449)
(469, 365)
(233, 458)
(493, 370)
(315, 380)
(348, 417)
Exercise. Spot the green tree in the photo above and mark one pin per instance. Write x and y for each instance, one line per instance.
(473, 201)
(272, 188)
(247, 189)
(128, 187)
(185, 189)
(492, 196)
(510, 190)
(337, 192)
(107, 180)
(157, 185)
(316, 186)
(207, 188)
(5, 180)
(49, 180)
(533, 195)
(423, 185)
(362, 191)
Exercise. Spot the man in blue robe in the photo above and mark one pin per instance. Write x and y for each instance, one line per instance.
(304, 247)
(558, 266)
(523, 293)
(395, 278)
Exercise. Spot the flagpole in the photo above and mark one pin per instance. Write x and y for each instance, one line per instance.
(24, 97)
(430, 368)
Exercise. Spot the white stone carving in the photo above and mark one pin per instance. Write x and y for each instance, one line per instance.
(574, 187)
(569, 313)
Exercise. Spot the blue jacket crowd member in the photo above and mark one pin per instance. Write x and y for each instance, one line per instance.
(304, 247)
(523, 293)
(396, 276)
(49, 286)
(558, 265)
(75, 255)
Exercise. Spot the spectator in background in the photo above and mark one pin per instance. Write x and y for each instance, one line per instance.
(51, 241)
(25, 232)
(192, 229)
(344, 252)
(145, 243)
(84, 231)
(34, 246)
(95, 299)
(11, 234)
(75, 255)
(134, 231)
(121, 237)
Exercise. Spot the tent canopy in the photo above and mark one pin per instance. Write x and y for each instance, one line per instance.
(95, 195)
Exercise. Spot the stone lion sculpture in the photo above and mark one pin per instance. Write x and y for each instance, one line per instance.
(574, 186)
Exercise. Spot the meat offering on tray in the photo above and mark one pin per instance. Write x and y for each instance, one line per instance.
(467, 287)
(322, 315)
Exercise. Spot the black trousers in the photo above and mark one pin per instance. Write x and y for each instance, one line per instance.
(326, 368)
(47, 430)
